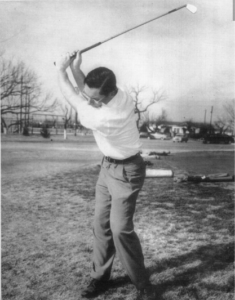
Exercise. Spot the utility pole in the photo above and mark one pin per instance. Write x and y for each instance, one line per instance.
(205, 117)
(211, 119)
(28, 109)
(25, 107)
(21, 96)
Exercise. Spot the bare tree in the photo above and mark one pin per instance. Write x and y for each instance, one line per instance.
(221, 125)
(226, 120)
(21, 93)
(140, 108)
(229, 109)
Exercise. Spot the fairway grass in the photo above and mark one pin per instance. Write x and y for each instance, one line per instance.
(186, 231)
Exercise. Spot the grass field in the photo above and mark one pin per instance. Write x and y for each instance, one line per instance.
(186, 230)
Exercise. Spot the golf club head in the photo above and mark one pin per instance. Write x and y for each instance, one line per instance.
(191, 8)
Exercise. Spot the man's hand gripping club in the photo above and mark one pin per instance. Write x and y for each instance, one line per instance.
(74, 60)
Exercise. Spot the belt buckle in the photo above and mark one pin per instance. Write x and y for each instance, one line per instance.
(108, 158)
(113, 160)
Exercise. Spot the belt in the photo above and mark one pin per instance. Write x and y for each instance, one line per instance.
(118, 161)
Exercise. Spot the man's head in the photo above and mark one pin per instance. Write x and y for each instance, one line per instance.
(101, 78)
(100, 85)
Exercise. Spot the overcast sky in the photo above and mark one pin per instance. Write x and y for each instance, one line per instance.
(189, 56)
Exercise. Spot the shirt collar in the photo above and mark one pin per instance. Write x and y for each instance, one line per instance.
(114, 101)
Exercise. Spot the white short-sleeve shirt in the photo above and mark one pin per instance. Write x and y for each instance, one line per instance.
(113, 125)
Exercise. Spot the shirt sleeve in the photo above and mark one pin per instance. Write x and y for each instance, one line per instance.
(87, 114)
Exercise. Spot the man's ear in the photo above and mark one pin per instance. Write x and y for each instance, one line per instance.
(113, 93)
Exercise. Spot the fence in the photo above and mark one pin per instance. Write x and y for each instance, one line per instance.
(58, 131)
(35, 127)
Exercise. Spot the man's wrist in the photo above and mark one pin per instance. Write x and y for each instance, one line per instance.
(75, 68)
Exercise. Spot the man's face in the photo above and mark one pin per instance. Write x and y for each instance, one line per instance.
(92, 95)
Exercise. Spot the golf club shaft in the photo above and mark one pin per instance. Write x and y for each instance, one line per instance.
(113, 37)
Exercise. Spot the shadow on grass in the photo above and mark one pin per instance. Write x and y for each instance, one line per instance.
(212, 258)
(187, 276)
(119, 282)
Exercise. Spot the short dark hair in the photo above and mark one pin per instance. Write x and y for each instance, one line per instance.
(102, 78)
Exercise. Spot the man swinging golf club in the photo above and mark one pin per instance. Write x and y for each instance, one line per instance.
(109, 112)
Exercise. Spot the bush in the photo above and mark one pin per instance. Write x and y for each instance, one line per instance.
(45, 132)
(26, 131)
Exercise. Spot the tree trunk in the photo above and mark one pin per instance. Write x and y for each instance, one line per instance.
(4, 126)
(138, 121)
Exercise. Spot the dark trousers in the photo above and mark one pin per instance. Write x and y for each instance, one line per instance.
(116, 192)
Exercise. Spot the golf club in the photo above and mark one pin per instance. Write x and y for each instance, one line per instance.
(190, 7)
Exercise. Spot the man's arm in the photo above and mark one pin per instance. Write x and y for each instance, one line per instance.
(66, 86)
(75, 67)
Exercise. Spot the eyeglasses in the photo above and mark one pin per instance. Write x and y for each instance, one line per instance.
(93, 101)
(91, 98)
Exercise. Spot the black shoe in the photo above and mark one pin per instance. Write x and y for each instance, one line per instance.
(94, 288)
(147, 293)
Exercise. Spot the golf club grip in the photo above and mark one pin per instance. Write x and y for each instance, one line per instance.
(86, 49)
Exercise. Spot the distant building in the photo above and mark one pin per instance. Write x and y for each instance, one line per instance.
(173, 128)
(41, 118)
(193, 129)
(198, 130)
